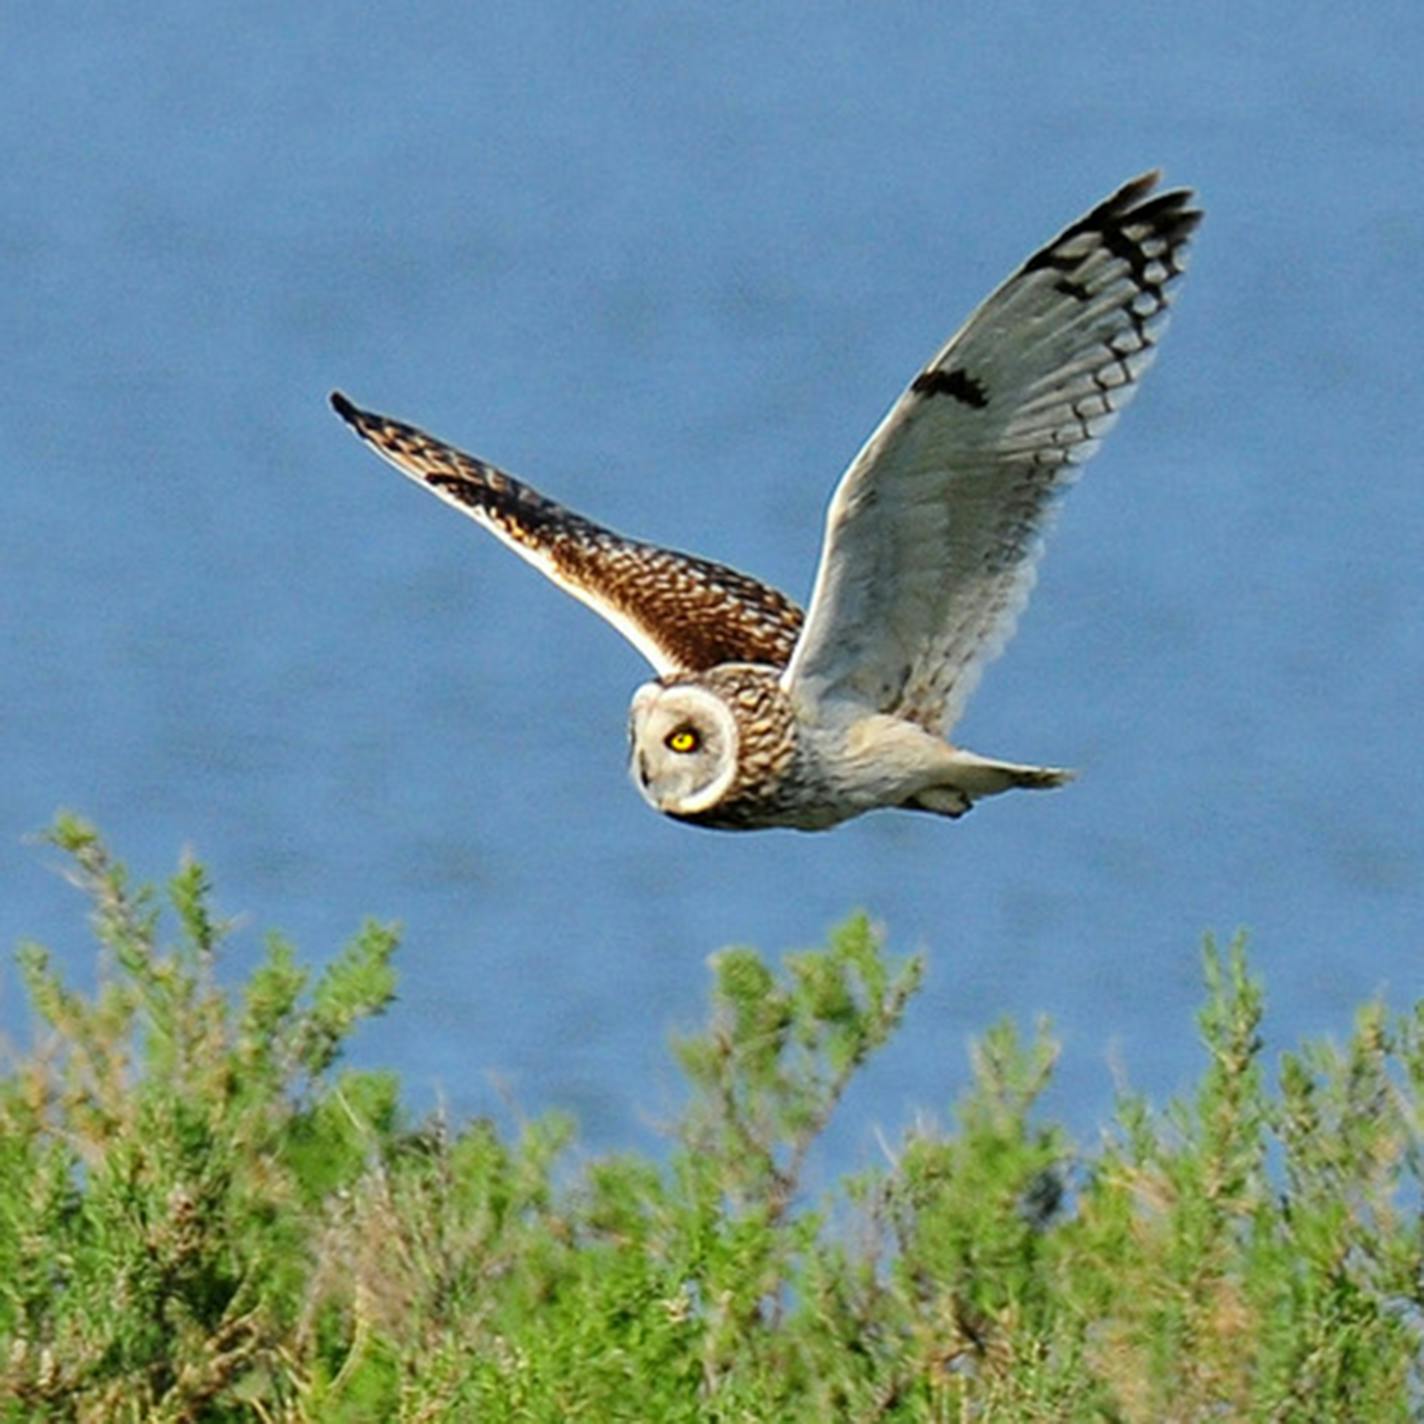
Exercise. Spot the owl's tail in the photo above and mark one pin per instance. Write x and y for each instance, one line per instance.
(969, 777)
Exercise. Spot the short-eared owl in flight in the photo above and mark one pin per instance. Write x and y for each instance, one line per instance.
(760, 715)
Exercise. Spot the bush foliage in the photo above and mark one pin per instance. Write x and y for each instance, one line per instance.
(202, 1217)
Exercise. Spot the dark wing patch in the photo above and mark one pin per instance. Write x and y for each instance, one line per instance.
(956, 382)
(684, 614)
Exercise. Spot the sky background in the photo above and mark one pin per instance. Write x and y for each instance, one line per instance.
(671, 264)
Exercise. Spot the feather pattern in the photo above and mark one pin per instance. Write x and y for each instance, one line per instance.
(933, 532)
(684, 614)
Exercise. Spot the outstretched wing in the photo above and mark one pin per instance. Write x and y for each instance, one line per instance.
(682, 613)
(934, 530)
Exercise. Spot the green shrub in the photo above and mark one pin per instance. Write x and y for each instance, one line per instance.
(202, 1218)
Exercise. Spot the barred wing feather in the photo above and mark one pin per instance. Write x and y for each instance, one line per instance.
(684, 614)
(933, 531)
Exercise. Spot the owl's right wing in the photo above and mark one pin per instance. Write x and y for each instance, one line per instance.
(684, 614)
(934, 530)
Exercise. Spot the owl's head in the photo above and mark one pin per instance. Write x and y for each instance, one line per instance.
(683, 747)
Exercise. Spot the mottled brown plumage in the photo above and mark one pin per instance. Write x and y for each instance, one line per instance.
(686, 614)
(767, 783)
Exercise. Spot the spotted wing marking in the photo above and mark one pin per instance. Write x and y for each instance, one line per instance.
(684, 614)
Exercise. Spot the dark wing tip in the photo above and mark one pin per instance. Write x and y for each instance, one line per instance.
(350, 413)
(1134, 189)
(1168, 215)
(1169, 210)
(1132, 200)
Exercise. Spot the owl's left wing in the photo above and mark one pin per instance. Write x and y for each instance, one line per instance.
(684, 614)
(933, 531)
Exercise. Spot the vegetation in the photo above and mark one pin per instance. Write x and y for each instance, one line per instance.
(203, 1218)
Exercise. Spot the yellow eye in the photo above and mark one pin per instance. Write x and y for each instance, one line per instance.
(684, 739)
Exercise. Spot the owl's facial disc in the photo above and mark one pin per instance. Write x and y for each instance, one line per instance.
(683, 746)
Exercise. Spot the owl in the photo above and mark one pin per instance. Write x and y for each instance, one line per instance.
(762, 715)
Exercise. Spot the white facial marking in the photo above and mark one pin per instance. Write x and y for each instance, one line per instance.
(683, 747)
